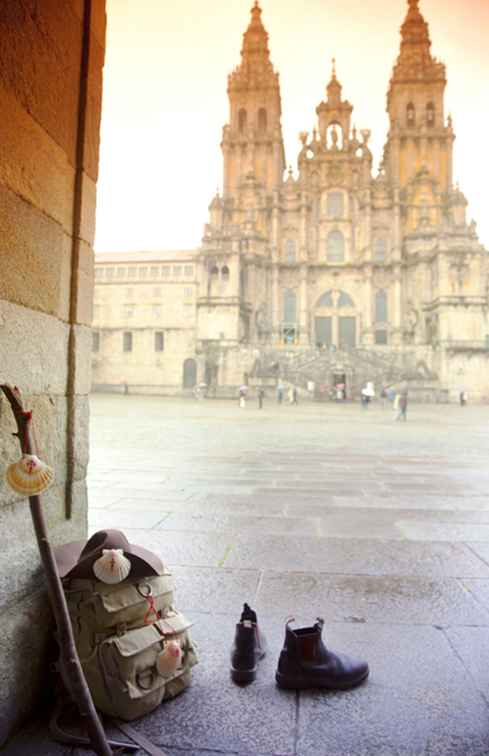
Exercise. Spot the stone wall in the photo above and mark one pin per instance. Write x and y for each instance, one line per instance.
(51, 59)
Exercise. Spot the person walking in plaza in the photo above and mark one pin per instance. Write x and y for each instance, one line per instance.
(295, 395)
(402, 404)
(242, 396)
(261, 396)
(280, 392)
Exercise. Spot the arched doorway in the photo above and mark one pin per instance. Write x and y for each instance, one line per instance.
(335, 321)
(189, 373)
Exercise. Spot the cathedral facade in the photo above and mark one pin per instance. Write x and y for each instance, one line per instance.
(340, 273)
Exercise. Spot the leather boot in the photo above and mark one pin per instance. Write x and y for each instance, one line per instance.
(305, 662)
(249, 647)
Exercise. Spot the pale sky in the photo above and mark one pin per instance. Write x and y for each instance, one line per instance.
(165, 98)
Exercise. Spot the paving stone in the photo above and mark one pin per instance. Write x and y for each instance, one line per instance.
(472, 646)
(182, 548)
(214, 713)
(370, 599)
(358, 557)
(236, 525)
(410, 702)
(214, 590)
(124, 518)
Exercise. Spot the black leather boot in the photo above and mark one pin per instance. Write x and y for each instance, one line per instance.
(305, 662)
(249, 647)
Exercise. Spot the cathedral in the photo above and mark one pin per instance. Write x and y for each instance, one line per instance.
(339, 273)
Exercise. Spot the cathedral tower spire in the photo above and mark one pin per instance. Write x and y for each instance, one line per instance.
(252, 141)
(415, 104)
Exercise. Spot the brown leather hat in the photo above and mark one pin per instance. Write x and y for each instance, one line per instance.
(75, 559)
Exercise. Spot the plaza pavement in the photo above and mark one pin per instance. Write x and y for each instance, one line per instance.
(381, 528)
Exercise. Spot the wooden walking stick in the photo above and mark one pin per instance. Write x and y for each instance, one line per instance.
(70, 666)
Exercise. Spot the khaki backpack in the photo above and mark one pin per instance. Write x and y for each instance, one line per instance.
(120, 632)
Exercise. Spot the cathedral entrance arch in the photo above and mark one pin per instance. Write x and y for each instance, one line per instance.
(189, 373)
(335, 321)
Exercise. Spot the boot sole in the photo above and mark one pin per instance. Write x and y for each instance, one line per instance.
(243, 676)
(294, 684)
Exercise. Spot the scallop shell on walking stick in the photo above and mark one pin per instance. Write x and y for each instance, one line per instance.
(112, 567)
(29, 476)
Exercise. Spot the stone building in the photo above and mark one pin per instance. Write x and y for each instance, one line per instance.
(51, 59)
(337, 274)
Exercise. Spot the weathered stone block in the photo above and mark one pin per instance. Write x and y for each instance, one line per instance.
(41, 252)
(40, 65)
(33, 350)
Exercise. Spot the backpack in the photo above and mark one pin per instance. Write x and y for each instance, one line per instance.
(120, 632)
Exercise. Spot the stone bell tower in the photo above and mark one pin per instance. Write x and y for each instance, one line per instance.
(252, 142)
(419, 137)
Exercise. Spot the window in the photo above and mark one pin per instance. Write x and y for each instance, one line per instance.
(335, 205)
(159, 341)
(290, 251)
(99, 273)
(242, 118)
(224, 274)
(262, 121)
(188, 271)
(411, 115)
(121, 272)
(215, 271)
(326, 300)
(290, 306)
(381, 309)
(344, 300)
(154, 271)
(131, 272)
(177, 271)
(165, 271)
(95, 341)
(109, 273)
(380, 249)
(143, 272)
(336, 247)
(430, 114)
(381, 337)
(127, 341)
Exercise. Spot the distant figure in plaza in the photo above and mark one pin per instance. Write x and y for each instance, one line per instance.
(261, 396)
(463, 398)
(383, 396)
(280, 393)
(295, 396)
(368, 394)
(402, 404)
(125, 388)
(243, 390)
(340, 392)
(391, 394)
(200, 390)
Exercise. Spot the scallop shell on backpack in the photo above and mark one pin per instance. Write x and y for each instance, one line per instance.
(29, 476)
(112, 567)
(169, 659)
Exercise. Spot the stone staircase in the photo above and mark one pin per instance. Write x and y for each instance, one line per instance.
(387, 367)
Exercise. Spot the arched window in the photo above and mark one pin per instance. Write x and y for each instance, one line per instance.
(430, 114)
(326, 300)
(411, 115)
(214, 271)
(335, 205)
(242, 120)
(335, 247)
(381, 308)
(225, 274)
(344, 300)
(380, 249)
(290, 306)
(262, 121)
(290, 251)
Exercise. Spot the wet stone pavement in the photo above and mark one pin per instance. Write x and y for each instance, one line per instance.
(381, 528)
